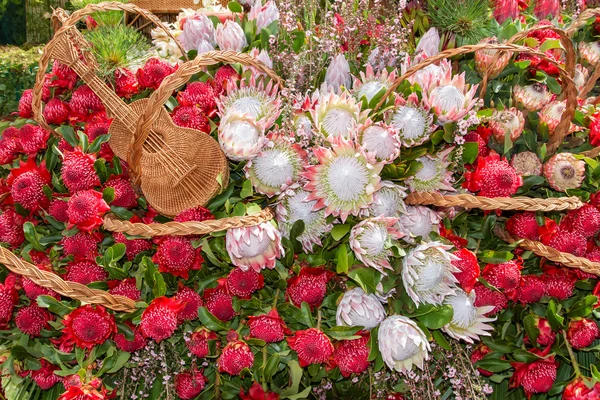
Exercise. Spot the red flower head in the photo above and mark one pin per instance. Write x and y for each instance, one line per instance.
(489, 297)
(126, 84)
(505, 9)
(530, 290)
(191, 117)
(84, 102)
(547, 335)
(27, 184)
(312, 346)
(351, 356)
(584, 220)
(481, 351)
(88, 326)
(235, 357)
(9, 297)
(493, 177)
(177, 256)
(579, 389)
(256, 392)
(85, 272)
(309, 285)
(567, 242)
(198, 343)
(545, 8)
(45, 377)
(159, 320)
(457, 241)
(479, 136)
(505, 276)
(33, 139)
(535, 377)
(97, 127)
(582, 333)
(86, 209)
(130, 346)
(11, 230)
(153, 73)
(197, 214)
(25, 104)
(33, 290)
(87, 392)
(124, 195)
(469, 269)
(189, 384)
(219, 301)
(62, 76)
(224, 74)
(10, 145)
(56, 112)
(32, 319)
(596, 292)
(133, 247)
(268, 327)
(82, 246)
(78, 172)
(201, 95)
(594, 127)
(559, 282)
(192, 301)
(523, 225)
(243, 283)
(126, 287)
(58, 210)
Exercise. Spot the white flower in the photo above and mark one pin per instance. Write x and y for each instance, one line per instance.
(263, 15)
(255, 247)
(429, 43)
(427, 273)
(370, 83)
(358, 308)
(379, 140)
(388, 201)
(413, 121)
(338, 74)
(402, 343)
(204, 47)
(468, 321)
(197, 30)
(371, 239)
(434, 175)
(418, 221)
(241, 137)
(230, 36)
(336, 115)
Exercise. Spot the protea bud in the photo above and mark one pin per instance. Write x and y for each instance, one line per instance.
(546, 8)
(338, 74)
(509, 122)
(263, 15)
(484, 58)
(526, 163)
(402, 343)
(255, 247)
(230, 36)
(241, 137)
(429, 44)
(582, 389)
(358, 308)
(505, 9)
(590, 52)
(563, 171)
(196, 31)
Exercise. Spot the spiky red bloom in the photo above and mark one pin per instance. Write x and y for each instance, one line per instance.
(224, 74)
(219, 301)
(126, 287)
(25, 104)
(192, 301)
(481, 351)
(535, 377)
(138, 342)
(11, 228)
(27, 184)
(352, 356)
(256, 392)
(530, 290)
(523, 225)
(56, 112)
(9, 145)
(493, 177)
(505, 276)
(197, 214)
(312, 346)
(579, 390)
(235, 357)
(582, 333)
(33, 139)
(191, 117)
(268, 327)
(585, 221)
(9, 297)
(86, 209)
(546, 336)
(126, 84)
(153, 73)
(45, 377)
(85, 102)
(469, 269)
(32, 319)
(159, 320)
(96, 128)
(88, 326)
(63, 76)
(568, 242)
(198, 343)
(124, 194)
(177, 256)
(189, 384)
(58, 210)
(474, 137)
(85, 272)
(78, 172)
(199, 94)
(309, 285)
(82, 246)
(559, 283)
(33, 290)
(489, 297)
(243, 283)
(133, 247)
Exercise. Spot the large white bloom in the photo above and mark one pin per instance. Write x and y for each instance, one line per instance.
(413, 122)
(197, 30)
(370, 83)
(379, 140)
(418, 221)
(388, 201)
(358, 308)
(263, 15)
(468, 321)
(371, 239)
(434, 175)
(255, 247)
(427, 273)
(230, 36)
(429, 43)
(336, 115)
(402, 343)
(241, 137)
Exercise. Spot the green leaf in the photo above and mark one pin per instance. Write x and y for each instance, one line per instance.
(32, 236)
(343, 332)
(108, 195)
(68, 134)
(496, 257)
(295, 374)
(160, 287)
(532, 330)
(295, 232)
(437, 318)
(339, 231)
(118, 251)
(554, 319)
(341, 257)
(366, 278)
(53, 305)
(126, 331)
(470, 151)
(583, 307)
(101, 170)
(553, 85)
(524, 356)
(97, 143)
(550, 44)
(210, 321)
(246, 189)
(235, 7)
(271, 366)
(441, 340)
(373, 347)
(84, 141)
(306, 314)
(299, 37)
(493, 364)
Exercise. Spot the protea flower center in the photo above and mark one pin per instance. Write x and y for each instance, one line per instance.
(274, 168)
(429, 170)
(347, 178)
(533, 97)
(448, 98)
(244, 134)
(381, 142)
(369, 90)
(373, 239)
(248, 105)
(337, 122)
(300, 209)
(387, 202)
(465, 313)
(432, 271)
(412, 123)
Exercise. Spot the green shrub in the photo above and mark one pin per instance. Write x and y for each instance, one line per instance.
(17, 72)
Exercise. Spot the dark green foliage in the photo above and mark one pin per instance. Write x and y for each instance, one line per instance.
(469, 20)
(17, 73)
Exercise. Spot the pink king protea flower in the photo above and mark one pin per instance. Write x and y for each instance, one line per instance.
(450, 97)
(230, 36)
(338, 74)
(255, 247)
(563, 171)
(371, 240)
(484, 58)
(533, 97)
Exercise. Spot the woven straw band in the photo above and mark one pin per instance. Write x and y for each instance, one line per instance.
(73, 290)
(582, 20)
(539, 249)
(186, 228)
(496, 203)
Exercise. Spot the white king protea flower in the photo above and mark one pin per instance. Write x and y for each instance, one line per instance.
(434, 175)
(429, 44)
(196, 31)
(263, 15)
(388, 201)
(294, 206)
(255, 247)
(338, 74)
(358, 308)
(413, 122)
(402, 343)
(336, 115)
(276, 167)
(427, 273)
(370, 83)
(533, 97)
(563, 171)
(241, 137)
(371, 239)
(450, 97)
(551, 115)
(418, 221)
(379, 140)
(230, 36)
(344, 180)
(468, 321)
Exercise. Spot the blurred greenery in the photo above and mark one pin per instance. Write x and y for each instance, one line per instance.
(18, 67)
(12, 22)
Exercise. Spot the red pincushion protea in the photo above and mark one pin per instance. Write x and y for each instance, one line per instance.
(192, 301)
(523, 225)
(86, 209)
(312, 346)
(58, 210)
(219, 301)
(33, 139)
(567, 242)
(191, 117)
(133, 247)
(197, 214)
(235, 357)
(56, 112)
(11, 231)
(582, 389)
(594, 127)
(159, 320)
(9, 145)
(243, 283)
(477, 137)
(224, 74)
(85, 102)
(9, 297)
(27, 184)
(504, 276)
(535, 377)
(582, 333)
(32, 319)
(488, 297)
(198, 343)
(124, 194)
(78, 172)
(25, 104)
(82, 246)
(177, 256)
(201, 95)
(152, 74)
(138, 342)
(45, 377)
(63, 76)
(86, 392)
(493, 177)
(85, 272)
(268, 327)
(33, 290)
(468, 267)
(309, 285)
(559, 282)
(352, 356)
(530, 290)
(89, 326)
(126, 287)
(189, 384)
(256, 392)
(126, 84)
(546, 336)
(481, 351)
(584, 220)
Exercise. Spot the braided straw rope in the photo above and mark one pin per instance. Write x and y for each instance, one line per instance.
(496, 203)
(73, 290)
(186, 228)
(539, 249)
(582, 20)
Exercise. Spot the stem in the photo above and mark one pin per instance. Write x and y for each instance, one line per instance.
(572, 356)
(264, 384)
(217, 384)
(370, 383)
(319, 318)
(276, 298)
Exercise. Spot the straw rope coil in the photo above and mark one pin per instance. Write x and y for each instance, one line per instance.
(582, 20)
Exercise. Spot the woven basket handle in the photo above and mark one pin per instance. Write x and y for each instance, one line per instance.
(568, 86)
(582, 20)
(68, 23)
(176, 80)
